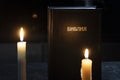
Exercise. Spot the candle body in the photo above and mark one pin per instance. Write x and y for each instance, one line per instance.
(21, 49)
(86, 69)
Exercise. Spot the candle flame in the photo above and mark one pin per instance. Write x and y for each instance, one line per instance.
(86, 53)
(21, 34)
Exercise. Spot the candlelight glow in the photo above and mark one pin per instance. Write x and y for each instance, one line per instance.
(21, 34)
(86, 53)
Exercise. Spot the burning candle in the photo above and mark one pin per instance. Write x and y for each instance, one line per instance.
(21, 50)
(86, 69)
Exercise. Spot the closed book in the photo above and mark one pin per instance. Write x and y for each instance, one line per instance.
(71, 30)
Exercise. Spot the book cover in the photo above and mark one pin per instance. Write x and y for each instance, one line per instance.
(71, 30)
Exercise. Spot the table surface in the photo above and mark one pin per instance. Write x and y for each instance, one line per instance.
(111, 70)
(39, 71)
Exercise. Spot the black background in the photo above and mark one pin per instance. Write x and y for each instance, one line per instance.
(17, 13)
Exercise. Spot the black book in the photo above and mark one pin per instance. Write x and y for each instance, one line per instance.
(71, 30)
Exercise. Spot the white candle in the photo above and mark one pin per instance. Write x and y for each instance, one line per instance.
(86, 69)
(21, 50)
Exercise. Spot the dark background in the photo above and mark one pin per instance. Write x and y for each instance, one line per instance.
(17, 13)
